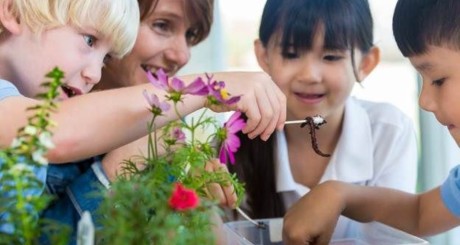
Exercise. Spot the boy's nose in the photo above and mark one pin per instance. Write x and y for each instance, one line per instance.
(92, 73)
(426, 99)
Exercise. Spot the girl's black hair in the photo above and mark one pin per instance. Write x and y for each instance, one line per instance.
(255, 167)
(347, 24)
(419, 23)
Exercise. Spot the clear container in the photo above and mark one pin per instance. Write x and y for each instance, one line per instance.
(246, 233)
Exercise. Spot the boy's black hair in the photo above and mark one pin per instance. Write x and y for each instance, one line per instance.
(419, 23)
(347, 24)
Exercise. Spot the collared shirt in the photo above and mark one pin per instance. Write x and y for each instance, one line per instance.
(450, 191)
(377, 147)
(7, 89)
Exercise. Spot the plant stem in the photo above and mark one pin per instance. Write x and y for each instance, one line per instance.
(20, 206)
(152, 143)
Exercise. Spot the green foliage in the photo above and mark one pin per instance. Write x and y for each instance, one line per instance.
(136, 209)
(22, 200)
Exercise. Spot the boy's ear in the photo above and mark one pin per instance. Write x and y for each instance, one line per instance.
(261, 55)
(8, 20)
(369, 62)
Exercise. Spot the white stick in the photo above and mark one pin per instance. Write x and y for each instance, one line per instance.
(295, 122)
(242, 213)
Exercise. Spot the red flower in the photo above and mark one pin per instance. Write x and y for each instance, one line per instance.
(183, 199)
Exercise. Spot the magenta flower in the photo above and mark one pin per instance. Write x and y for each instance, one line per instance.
(177, 87)
(218, 94)
(156, 107)
(178, 135)
(230, 142)
(197, 87)
(160, 81)
(174, 136)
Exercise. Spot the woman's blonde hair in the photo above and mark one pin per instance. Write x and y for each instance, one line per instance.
(116, 20)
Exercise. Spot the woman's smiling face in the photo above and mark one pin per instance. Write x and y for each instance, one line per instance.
(163, 42)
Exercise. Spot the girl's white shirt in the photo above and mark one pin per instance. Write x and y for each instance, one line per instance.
(377, 147)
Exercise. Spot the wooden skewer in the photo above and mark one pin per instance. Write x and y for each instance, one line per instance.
(258, 224)
(295, 122)
(316, 120)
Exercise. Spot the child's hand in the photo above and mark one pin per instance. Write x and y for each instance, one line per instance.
(313, 218)
(224, 194)
(261, 100)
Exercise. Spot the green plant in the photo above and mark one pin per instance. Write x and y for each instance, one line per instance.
(165, 199)
(22, 170)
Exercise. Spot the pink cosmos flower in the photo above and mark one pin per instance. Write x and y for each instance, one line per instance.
(231, 142)
(177, 87)
(219, 94)
(178, 135)
(174, 136)
(156, 107)
(183, 199)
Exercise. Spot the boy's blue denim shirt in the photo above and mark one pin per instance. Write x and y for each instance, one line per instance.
(77, 187)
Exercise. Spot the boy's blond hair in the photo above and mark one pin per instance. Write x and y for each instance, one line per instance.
(116, 20)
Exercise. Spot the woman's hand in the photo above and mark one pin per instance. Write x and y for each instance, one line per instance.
(224, 194)
(261, 101)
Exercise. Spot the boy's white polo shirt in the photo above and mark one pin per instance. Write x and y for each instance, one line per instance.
(355, 159)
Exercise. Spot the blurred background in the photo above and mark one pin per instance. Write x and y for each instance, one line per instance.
(230, 47)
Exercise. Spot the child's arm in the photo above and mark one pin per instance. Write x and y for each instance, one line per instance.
(98, 122)
(87, 125)
(314, 216)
